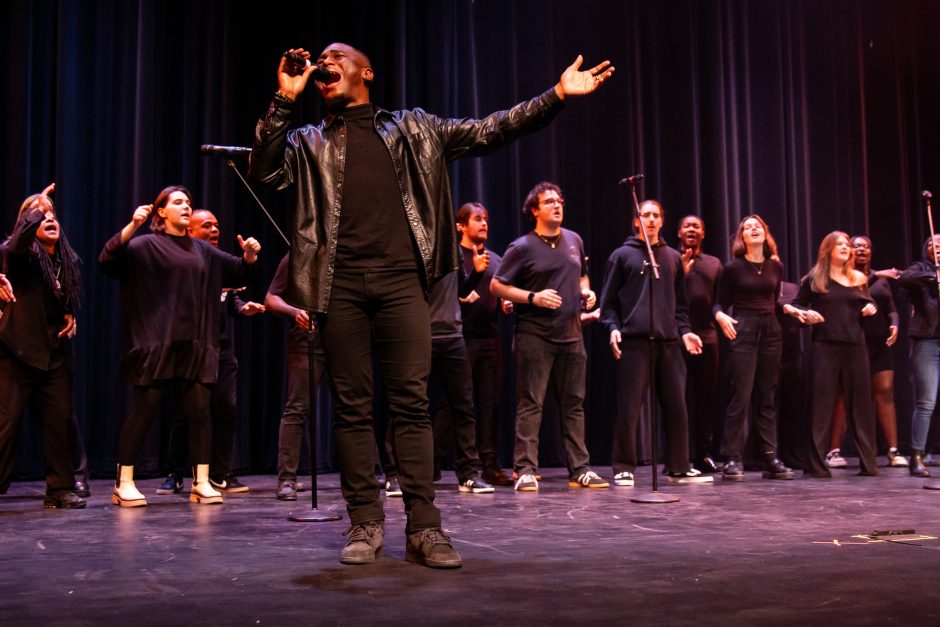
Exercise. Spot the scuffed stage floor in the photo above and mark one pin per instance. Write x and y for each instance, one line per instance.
(757, 552)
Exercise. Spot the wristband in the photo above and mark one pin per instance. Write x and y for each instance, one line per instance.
(531, 298)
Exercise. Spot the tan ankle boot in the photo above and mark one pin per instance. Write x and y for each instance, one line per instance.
(125, 492)
(203, 492)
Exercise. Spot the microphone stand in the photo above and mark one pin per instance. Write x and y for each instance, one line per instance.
(651, 267)
(932, 485)
(311, 385)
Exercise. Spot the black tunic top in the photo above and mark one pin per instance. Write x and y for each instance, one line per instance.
(170, 288)
(842, 309)
(29, 327)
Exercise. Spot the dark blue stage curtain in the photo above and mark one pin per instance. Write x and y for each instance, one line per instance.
(817, 115)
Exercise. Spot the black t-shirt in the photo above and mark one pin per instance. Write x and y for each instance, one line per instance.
(444, 308)
(877, 327)
(532, 264)
(841, 307)
(373, 229)
(749, 288)
(480, 318)
(296, 337)
(700, 284)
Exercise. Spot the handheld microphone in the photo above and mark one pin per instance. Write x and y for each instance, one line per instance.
(926, 194)
(224, 151)
(298, 63)
(631, 180)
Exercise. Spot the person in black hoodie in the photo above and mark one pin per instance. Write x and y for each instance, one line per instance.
(625, 313)
(37, 325)
(920, 282)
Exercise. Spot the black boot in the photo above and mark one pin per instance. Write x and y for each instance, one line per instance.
(775, 469)
(917, 465)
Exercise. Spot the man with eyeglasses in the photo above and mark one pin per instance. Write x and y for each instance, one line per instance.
(545, 273)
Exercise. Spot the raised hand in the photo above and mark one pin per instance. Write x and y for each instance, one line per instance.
(291, 85)
(251, 248)
(576, 82)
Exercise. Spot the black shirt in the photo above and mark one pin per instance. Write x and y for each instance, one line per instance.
(877, 327)
(700, 284)
(296, 337)
(480, 318)
(373, 230)
(751, 288)
(841, 307)
(444, 308)
(532, 264)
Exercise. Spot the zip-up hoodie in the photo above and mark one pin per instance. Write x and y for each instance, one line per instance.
(920, 283)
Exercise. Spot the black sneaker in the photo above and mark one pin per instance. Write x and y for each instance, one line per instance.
(392, 488)
(476, 486)
(63, 499)
(431, 548)
(286, 491)
(364, 543)
(228, 483)
(173, 484)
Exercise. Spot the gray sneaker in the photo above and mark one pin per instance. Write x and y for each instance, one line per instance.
(286, 490)
(364, 542)
(431, 548)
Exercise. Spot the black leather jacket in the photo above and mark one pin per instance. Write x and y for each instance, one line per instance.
(420, 144)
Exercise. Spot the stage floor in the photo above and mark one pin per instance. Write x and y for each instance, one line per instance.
(757, 552)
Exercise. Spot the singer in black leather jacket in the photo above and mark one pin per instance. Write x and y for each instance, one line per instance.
(372, 232)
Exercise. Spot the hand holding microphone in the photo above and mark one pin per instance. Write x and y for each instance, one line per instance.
(295, 70)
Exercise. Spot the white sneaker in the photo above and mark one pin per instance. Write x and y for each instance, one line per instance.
(834, 459)
(691, 476)
(624, 479)
(896, 460)
(527, 483)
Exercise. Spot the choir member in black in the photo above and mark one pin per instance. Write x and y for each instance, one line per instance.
(625, 312)
(745, 310)
(170, 286)
(881, 333)
(701, 276)
(479, 310)
(373, 230)
(834, 297)
(544, 272)
(37, 324)
(296, 407)
(223, 399)
(920, 283)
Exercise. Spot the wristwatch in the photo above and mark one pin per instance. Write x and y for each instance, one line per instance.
(531, 298)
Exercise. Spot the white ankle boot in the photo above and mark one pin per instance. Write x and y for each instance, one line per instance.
(202, 491)
(125, 492)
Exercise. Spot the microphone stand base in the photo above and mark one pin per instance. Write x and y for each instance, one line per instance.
(313, 517)
(932, 485)
(654, 497)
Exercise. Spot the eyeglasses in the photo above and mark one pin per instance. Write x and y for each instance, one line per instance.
(551, 202)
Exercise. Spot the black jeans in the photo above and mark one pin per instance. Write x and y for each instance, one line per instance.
(145, 401)
(633, 381)
(700, 392)
(841, 366)
(486, 364)
(450, 367)
(48, 393)
(753, 374)
(295, 414)
(390, 309)
(540, 363)
(223, 407)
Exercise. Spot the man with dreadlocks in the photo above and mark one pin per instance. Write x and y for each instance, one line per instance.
(36, 331)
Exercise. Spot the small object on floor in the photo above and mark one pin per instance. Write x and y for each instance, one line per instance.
(733, 471)
(392, 488)
(81, 488)
(624, 479)
(228, 483)
(527, 483)
(690, 477)
(834, 459)
(431, 548)
(706, 465)
(173, 484)
(475, 485)
(63, 499)
(588, 479)
(286, 490)
(363, 543)
(895, 459)
(515, 476)
(496, 476)
(776, 469)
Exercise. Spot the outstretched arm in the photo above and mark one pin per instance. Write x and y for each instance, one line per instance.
(577, 82)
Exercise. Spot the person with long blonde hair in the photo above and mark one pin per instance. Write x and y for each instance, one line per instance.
(833, 298)
(745, 310)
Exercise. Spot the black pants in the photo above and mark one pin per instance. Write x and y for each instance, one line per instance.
(48, 393)
(753, 374)
(145, 402)
(391, 308)
(450, 368)
(540, 363)
(294, 417)
(223, 408)
(77, 449)
(700, 392)
(841, 366)
(633, 381)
